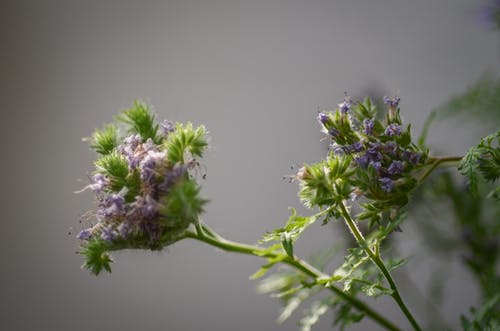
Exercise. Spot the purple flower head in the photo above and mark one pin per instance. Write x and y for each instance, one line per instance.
(173, 176)
(355, 147)
(390, 148)
(376, 165)
(124, 229)
(166, 127)
(322, 118)
(333, 132)
(373, 152)
(393, 130)
(108, 233)
(362, 161)
(386, 184)
(149, 207)
(368, 126)
(338, 149)
(132, 141)
(129, 149)
(412, 157)
(144, 208)
(85, 234)
(344, 107)
(99, 183)
(112, 205)
(149, 146)
(392, 102)
(395, 168)
(149, 164)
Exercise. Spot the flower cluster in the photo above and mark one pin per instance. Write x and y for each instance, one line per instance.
(368, 157)
(145, 195)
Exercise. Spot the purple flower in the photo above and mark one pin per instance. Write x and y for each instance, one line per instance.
(392, 102)
(344, 106)
(338, 149)
(393, 130)
(355, 148)
(322, 118)
(112, 205)
(373, 152)
(333, 132)
(100, 183)
(368, 126)
(376, 165)
(171, 177)
(395, 168)
(129, 149)
(108, 233)
(166, 127)
(412, 157)
(124, 229)
(362, 161)
(390, 148)
(132, 141)
(144, 208)
(85, 234)
(386, 184)
(149, 146)
(149, 164)
(149, 207)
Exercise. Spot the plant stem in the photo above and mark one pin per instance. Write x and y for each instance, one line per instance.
(231, 246)
(436, 161)
(375, 257)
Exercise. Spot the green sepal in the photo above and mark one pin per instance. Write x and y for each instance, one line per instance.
(183, 203)
(96, 256)
(104, 141)
(115, 167)
(141, 120)
(287, 243)
(185, 138)
(364, 110)
(293, 228)
(483, 158)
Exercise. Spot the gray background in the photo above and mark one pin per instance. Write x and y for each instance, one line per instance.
(255, 72)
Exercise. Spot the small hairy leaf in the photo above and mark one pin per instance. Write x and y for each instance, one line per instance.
(484, 159)
(96, 256)
(115, 167)
(141, 120)
(184, 139)
(105, 141)
(184, 203)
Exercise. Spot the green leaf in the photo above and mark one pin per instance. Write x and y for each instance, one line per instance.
(141, 120)
(185, 139)
(183, 204)
(105, 141)
(290, 232)
(287, 243)
(479, 101)
(96, 256)
(486, 318)
(483, 158)
(115, 167)
(317, 309)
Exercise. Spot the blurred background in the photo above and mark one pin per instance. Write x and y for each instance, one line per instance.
(255, 73)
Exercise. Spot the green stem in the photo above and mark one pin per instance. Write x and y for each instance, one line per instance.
(435, 162)
(231, 246)
(375, 257)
